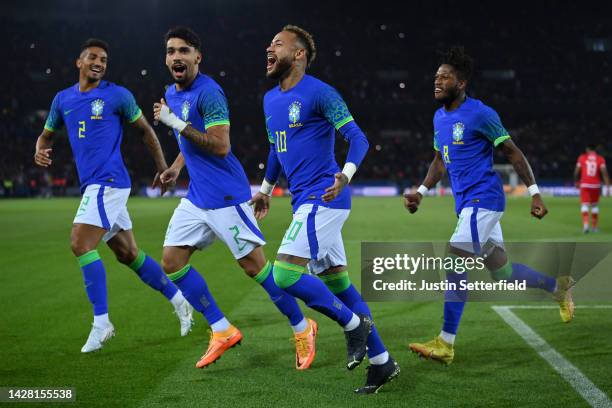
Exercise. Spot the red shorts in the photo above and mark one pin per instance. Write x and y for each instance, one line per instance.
(589, 195)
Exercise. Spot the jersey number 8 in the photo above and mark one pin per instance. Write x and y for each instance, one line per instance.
(446, 156)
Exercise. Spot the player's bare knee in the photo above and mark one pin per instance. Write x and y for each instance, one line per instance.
(80, 246)
(171, 265)
(251, 270)
(254, 262)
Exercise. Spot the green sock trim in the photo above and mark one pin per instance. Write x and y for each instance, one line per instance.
(263, 274)
(337, 282)
(180, 273)
(502, 273)
(88, 257)
(286, 274)
(140, 258)
(292, 267)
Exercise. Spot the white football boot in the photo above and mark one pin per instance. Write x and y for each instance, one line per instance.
(97, 337)
(184, 312)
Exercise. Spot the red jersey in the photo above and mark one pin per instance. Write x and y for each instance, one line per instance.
(590, 165)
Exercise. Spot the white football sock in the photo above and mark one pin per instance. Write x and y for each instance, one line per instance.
(177, 299)
(101, 320)
(379, 359)
(353, 324)
(220, 325)
(300, 327)
(448, 337)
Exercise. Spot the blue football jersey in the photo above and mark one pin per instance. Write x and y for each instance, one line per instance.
(214, 182)
(93, 121)
(465, 138)
(301, 124)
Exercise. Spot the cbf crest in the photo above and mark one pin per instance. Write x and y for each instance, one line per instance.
(185, 107)
(97, 107)
(458, 129)
(294, 114)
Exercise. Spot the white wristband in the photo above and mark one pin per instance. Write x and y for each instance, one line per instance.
(266, 188)
(170, 119)
(349, 170)
(533, 190)
(422, 190)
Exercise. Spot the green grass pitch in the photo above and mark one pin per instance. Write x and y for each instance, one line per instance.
(46, 318)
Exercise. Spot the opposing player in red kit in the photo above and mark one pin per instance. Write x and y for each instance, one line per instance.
(590, 168)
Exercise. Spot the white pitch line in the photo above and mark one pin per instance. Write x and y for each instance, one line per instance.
(556, 307)
(589, 391)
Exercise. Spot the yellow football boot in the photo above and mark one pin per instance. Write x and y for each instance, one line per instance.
(436, 349)
(563, 296)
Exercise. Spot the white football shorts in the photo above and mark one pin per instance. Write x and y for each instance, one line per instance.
(104, 207)
(235, 226)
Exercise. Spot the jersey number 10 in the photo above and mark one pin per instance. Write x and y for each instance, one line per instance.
(281, 141)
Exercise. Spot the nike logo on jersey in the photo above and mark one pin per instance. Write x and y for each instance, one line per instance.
(66, 113)
(268, 118)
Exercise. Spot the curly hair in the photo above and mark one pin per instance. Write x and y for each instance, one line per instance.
(186, 34)
(306, 41)
(462, 63)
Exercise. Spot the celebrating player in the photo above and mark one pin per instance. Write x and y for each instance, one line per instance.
(216, 205)
(92, 111)
(302, 115)
(465, 133)
(590, 168)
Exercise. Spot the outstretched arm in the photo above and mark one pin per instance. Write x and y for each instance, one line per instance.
(518, 160)
(434, 175)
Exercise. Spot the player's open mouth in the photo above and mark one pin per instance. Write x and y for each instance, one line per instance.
(179, 69)
(97, 70)
(271, 61)
(437, 91)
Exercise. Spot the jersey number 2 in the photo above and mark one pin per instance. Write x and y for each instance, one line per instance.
(81, 129)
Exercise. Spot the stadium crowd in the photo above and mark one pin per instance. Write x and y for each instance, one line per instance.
(550, 81)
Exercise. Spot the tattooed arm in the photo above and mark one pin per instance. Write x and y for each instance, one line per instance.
(518, 160)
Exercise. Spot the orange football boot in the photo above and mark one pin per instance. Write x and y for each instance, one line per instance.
(219, 343)
(305, 349)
